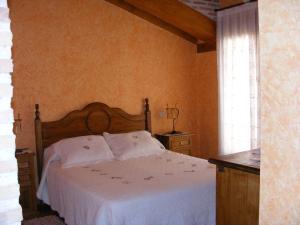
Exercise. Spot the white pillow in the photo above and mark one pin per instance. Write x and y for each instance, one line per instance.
(82, 150)
(133, 144)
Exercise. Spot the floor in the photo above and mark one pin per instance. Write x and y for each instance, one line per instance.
(45, 220)
(43, 216)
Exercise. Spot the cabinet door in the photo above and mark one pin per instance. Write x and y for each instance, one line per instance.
(237, 197)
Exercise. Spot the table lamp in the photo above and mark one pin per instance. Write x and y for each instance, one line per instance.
(173, 113)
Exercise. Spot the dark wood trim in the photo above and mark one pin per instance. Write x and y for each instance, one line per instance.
(147, 116)
(206, 47)
(38, 140)
(95, 118)
(232, 6)
(153, 19)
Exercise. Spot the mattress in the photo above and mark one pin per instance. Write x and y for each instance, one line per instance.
(164, 189)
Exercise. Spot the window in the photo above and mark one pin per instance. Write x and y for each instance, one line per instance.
(237, 40)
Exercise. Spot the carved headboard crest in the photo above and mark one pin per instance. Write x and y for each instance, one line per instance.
(95, 118)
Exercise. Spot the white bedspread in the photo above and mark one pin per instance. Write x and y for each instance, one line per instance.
(166, 189)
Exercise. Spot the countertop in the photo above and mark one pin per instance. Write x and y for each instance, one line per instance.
(248, 161)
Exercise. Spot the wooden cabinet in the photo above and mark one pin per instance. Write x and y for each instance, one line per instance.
(237, 197)
(181, 143)
(26, 177)
(237, 189)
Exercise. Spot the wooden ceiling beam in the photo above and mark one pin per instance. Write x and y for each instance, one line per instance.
(179, 15)
(206, 47)
(175, 17)
(153, 19)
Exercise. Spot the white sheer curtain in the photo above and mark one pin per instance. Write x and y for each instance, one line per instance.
(238, 73)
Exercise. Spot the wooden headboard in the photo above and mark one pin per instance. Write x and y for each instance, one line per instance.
(95, 118)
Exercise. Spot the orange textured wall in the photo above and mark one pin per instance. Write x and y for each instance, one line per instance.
(207, 103)
(69, 53)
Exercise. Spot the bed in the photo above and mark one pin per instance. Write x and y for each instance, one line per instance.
(160, 189)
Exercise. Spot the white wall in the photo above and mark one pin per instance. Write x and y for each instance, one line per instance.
(10, 210)
(279, 34)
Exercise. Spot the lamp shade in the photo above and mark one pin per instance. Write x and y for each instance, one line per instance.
(172, 113)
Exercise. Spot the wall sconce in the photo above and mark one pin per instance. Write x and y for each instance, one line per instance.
(173, 113)
(17, 127)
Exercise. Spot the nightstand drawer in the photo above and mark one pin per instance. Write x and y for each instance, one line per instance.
(26, 178)
(24, 198)
(22, 165)
(23, 171)
(180, 141)
(184, 150)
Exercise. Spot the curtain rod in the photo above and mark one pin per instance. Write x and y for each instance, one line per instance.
(232, 6)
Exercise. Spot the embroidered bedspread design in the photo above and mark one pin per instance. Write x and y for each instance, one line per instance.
(164, 189)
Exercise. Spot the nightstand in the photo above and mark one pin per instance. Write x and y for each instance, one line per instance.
(26, 177)
(181, 143)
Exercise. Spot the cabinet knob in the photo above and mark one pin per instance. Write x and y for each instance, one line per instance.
(184, 142)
